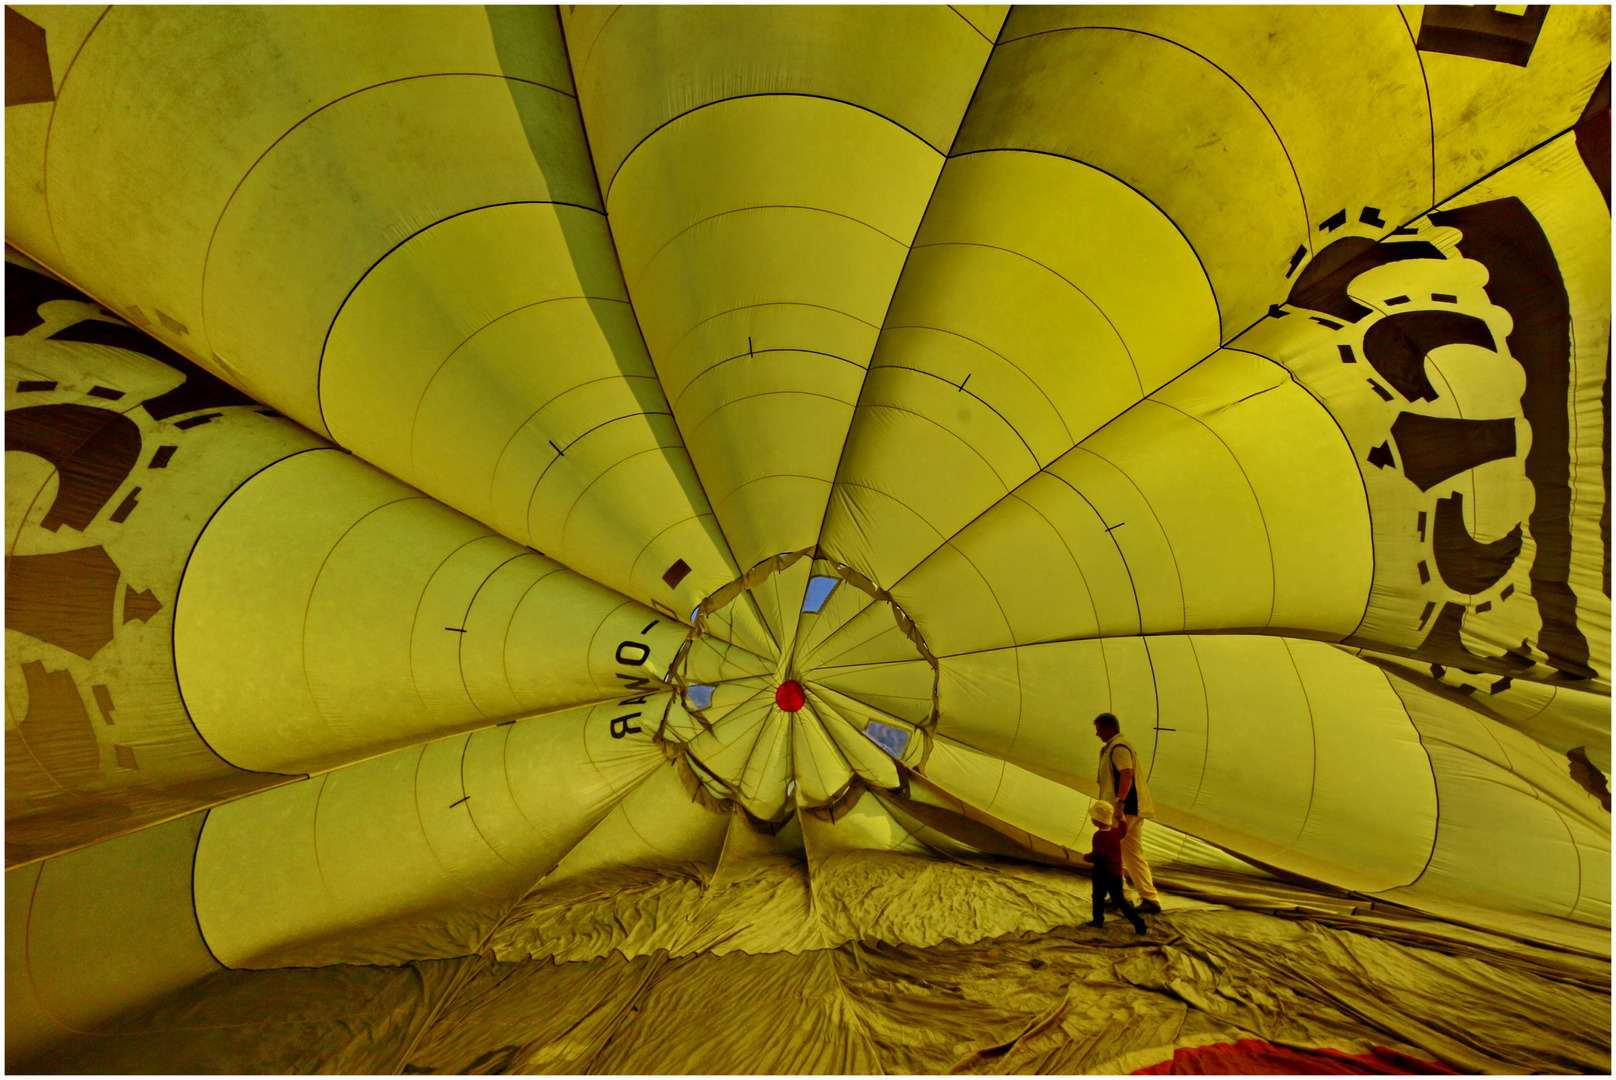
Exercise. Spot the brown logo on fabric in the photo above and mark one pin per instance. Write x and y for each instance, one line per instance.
(93, 451)
(28, 73)
(1524, 279)
(57, 728)
(1481, 31)
(64, 598)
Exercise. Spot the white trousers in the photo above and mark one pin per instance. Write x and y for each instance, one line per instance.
(1133, 858)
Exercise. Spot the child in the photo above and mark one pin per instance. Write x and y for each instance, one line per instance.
(1107, 860)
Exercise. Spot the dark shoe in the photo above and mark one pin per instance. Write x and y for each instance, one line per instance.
(1148, 907)
(1097, 923)
(1140, 928)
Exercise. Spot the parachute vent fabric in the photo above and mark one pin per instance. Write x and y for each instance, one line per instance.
(591, 539)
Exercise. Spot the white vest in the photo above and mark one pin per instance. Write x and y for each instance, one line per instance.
(1108, 787)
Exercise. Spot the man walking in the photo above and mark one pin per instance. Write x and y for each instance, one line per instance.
(1122, 784)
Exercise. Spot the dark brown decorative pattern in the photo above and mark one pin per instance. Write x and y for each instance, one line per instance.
(1434, 448)
(64, 598)
(1467, 565)
(1481, 31)
(57, 728)
(93, 450)
(1397, 345)
(1524, 279)
(1322, 285)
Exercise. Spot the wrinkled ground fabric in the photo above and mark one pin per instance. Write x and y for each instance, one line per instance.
(1061, 999)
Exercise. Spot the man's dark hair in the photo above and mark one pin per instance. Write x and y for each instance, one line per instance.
(1106, 720)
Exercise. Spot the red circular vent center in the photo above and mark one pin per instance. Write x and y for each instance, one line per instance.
(789, 697)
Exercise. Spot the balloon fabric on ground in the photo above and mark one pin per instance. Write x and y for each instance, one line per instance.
(539, 538)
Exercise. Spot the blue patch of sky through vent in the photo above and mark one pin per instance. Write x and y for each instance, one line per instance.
(892, 740)
(819, 590)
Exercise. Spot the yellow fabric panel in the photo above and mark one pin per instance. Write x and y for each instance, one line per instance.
(308, 593)
(350, 821)
(870, 762)
(144, 211)
(499, 344)
(1020, 798)
(870, 637)
(997, 601)
(983, 705)
(580, 754)
(820, 769)
(253, 896)
(902, 689)
(98, 739)
(916, 66)
(1072, 229)
(764, 784)
(1221, 521)
(1028, 315)
(843, 605)
(95, 932)
(28, 128)
(1282, 762)
(1347, 707)
(656, 823)
(467, 147)
(733, 693)
(30, 1028)
(988, 19)
(761, 205)
(415, 853)
(859, 714)
(866, 827)
(710, 660)
(1083, 495)
(27, 227)
(1360, 133)
(1036, 706)
(1050, 525)
(742, 624)
(1201, 500)
(1146, 110)
(1485, 114)
(1169, 847)
(1592, 840)
(1314, 511)
(1499, 841)
(799, 153)
(767, 434)
(908, 481)
(727, 748)
(779, 600)
(1307, 789)
(1560, 718)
